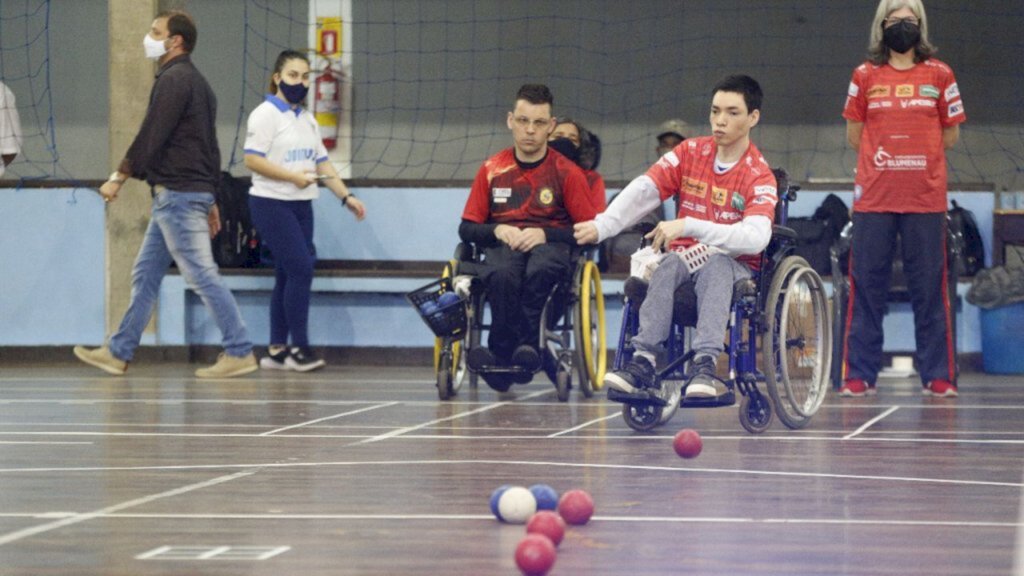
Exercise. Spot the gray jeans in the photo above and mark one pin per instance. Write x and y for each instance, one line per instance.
(714, 282)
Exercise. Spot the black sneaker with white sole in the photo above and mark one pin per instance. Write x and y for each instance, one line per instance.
(637, 375)
(703, 383)
(302, 359)
(275, 360)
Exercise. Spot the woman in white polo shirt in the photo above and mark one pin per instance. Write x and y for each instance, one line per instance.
(284, 151)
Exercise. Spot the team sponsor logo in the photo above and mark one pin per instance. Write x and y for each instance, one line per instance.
(546, 196)
(758, 200)
(918, 103)
(956, 109)
(501, 195)
(719, 195)
(853, 91)
(878, 91)
(880, 104)
(886, 161)
(691, 206)
(692, 144)
(953, 91)
(928, 91)
(765, 189)
(695, 188)
(726, 215)
(737, 201)
(299, 154)
(705, 150)
(904, 90)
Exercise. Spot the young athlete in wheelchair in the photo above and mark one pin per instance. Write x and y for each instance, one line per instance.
(727, 196)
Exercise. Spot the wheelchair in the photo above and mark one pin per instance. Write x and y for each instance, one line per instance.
(839, 258)
(572, 328)
(782, 309)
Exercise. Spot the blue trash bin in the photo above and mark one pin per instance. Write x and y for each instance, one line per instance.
(1002, 339)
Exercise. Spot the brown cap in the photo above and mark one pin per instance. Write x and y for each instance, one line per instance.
(675, 126)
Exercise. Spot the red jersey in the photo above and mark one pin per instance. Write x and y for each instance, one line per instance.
(598, 192)
(901, 164)
(747, 189)
(552, 193)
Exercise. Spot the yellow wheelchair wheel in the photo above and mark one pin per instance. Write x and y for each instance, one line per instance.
(452, 371)
(589, 330)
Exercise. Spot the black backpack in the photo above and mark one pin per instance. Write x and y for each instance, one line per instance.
(964, 228)
(816, 234)
(237, 245)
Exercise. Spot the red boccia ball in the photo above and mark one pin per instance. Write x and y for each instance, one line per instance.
(576, 507)
(549, 524)
(535, 555)
(688, 443)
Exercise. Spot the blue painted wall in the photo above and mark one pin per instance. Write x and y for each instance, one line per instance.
(52, 261)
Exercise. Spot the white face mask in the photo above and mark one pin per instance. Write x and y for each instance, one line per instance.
(154, 48)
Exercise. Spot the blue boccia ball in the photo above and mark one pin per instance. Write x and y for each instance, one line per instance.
(447, 299)
(495, 497)
(429, 308)
(547, 497)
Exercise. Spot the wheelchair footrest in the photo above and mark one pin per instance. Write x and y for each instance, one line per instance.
(639, 397)
(727, 399)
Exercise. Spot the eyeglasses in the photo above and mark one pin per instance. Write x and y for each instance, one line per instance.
(523, 122)
(894, 21)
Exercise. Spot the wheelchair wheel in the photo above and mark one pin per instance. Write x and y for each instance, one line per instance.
(755, 413)
(798, 350)
(445, 387)
(457, 368)
(591, 349)
(563, 381)
(642, 417)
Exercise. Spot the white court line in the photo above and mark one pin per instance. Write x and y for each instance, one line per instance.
(349, 413)
(408, 429)
(868, 424)
(54, 443)
(582, 426)
(600, 518)
(535, 463)
(77, 518)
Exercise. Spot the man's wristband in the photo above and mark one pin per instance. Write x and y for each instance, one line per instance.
(344, 201)
(113, 178)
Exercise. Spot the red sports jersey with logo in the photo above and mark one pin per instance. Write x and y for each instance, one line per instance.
(901, 164)
(747, 189)
(551, 194)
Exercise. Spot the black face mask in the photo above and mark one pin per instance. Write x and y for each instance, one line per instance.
(901, 36)
(566, 148)
(294, 93)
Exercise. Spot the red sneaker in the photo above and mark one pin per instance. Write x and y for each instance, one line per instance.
(856, 388)
(940, 389)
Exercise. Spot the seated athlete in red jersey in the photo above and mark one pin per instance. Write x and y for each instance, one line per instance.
(726, 194)
(521, 209)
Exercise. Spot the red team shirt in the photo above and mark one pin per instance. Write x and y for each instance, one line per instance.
(553, 194)
(747, 189)
(901, 164)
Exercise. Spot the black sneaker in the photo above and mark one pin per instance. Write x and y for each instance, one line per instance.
(703, 381)
(480, 358)
(275, 360)
(303, 360)
(637, 375)
(526, 357)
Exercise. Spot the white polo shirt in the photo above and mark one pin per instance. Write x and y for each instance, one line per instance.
(288, 137)
(10, 124)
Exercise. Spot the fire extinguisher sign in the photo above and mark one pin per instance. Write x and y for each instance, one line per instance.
(328, 38)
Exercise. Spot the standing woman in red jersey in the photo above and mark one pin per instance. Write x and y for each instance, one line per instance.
(903, 112)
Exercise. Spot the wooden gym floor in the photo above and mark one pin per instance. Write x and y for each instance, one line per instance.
(363, 471)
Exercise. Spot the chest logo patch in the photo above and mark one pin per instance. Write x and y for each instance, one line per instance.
(878, 91)
(719, 195)
(695, 188)
(546, 196)
(904, 90)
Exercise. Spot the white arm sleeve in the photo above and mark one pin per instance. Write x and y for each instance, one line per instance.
(748, 236)
(634, 202)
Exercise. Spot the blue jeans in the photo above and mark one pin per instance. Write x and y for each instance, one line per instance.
(179, 232)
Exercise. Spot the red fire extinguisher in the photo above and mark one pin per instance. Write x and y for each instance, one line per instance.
(327, 106)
